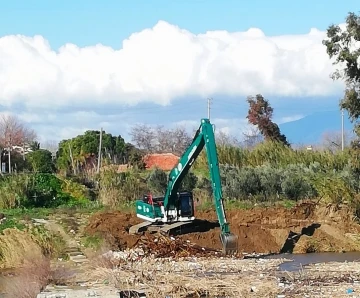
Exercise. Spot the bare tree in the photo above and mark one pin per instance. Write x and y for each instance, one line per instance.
(13, 132)
(160, 140)
(51, 145)
(224, 139)
(181, 140)
(252, 137)
(331, 140)
(164, 140)
(144, 137)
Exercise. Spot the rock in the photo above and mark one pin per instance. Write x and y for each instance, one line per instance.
(40, 220)
(194, 266)
(92, 294)
(253, 289)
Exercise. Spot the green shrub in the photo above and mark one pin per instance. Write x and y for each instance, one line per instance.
(157, 181)
(117, 189)
(189, 183)
(14, 190)
(46, 192)
(270, 180)
(39, 190)
(75, 190)
(41, 161)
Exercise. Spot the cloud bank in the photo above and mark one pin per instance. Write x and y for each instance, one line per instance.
(63, 92)
(163, 63)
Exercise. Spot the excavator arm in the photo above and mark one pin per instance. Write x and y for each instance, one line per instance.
(176, 209)
(204, 137)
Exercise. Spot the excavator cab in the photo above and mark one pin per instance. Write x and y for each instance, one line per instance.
(186, 204)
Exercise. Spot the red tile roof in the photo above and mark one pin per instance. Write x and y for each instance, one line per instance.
(164, 161)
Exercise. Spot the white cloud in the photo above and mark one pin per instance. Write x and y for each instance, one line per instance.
(64, 92)
(289, 119)
(161, 63)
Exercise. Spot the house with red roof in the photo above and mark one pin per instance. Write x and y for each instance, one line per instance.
(164, 161)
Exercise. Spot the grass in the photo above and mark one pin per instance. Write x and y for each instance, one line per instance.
(11, 224)
(231, 204)
(24, 213)
(94, 242)
(52, 245)
(44, 213)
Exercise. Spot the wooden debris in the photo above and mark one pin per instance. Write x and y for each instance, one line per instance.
(161, 246)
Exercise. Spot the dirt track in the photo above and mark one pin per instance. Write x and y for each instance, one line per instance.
(261, 230)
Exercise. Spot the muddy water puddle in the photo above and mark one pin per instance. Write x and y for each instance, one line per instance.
(299, 261)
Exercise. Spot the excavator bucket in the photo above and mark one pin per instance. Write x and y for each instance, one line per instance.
(230, 243)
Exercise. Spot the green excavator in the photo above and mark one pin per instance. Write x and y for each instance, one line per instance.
(175, 210)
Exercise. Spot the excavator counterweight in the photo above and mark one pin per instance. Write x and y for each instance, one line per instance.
(174, 211)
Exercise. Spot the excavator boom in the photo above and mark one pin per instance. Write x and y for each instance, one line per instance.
(176, 208)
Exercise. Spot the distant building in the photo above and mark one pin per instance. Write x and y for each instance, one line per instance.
(164, 161)
(22, 150)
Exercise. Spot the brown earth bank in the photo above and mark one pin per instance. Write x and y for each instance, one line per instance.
(307, 227)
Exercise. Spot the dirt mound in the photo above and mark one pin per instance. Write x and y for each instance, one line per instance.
(306, 227)
(113, 226)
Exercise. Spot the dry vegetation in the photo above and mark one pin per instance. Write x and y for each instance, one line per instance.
(15, 245)
(190, 277)
(33, 275)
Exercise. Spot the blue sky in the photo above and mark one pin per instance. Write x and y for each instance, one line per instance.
(87, 22)
(56, 110)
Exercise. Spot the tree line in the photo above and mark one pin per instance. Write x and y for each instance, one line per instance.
(261, 166)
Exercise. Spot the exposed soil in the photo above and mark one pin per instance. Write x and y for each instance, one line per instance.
(314, 228)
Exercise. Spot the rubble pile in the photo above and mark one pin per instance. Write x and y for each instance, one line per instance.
(162, 248)
(169, 247)
(128, 255)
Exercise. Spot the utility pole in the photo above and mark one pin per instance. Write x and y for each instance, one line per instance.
(342, 130)
(9, 159)
(99, 153)
(208, 106)
(10, 138)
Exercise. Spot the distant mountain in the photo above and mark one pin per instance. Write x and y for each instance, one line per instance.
(309, 130)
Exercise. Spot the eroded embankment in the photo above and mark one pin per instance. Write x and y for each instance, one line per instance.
(262, 230)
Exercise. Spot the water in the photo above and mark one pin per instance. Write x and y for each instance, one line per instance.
(300, 260)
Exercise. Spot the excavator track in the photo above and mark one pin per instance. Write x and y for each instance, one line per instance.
(141, 227)
(168, 229)
(176, 228)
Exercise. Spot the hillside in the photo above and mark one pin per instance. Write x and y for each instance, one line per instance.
(309, 130)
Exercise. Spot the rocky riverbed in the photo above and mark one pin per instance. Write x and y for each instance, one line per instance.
(175, 277)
